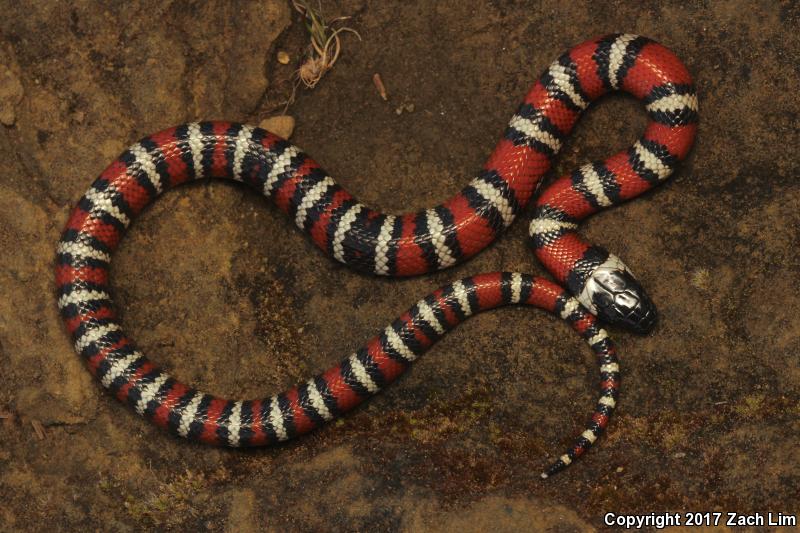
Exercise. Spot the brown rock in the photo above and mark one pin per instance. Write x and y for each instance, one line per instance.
(496, 514)
(11, 93)
(55, 388)
(242, 516)
(231, 43)
(282, 125)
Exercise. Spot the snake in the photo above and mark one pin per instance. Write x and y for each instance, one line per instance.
(591, 285)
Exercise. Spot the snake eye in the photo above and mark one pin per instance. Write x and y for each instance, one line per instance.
(604, 299)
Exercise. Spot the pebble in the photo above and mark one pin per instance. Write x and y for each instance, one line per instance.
(408, 108)
(282, 125)
(283, 58)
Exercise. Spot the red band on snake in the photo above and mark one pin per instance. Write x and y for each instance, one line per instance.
(395, 245)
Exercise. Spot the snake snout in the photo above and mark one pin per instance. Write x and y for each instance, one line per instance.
(620, 300)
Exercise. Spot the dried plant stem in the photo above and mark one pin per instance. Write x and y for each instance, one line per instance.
(324, 48)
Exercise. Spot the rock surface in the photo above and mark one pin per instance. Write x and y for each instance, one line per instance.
(11, 93)
(282, 125)
(218, 286)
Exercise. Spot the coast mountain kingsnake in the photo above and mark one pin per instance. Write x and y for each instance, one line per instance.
(389, 245)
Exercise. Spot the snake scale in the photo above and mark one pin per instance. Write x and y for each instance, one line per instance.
(596, 282)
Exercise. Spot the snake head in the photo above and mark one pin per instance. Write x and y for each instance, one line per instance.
(617, 298)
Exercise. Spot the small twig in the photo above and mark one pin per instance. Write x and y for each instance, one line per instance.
(290, 100)
(38, 428)
(6, 414)
(376, 79)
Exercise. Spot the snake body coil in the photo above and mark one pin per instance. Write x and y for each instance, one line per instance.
(390, 245)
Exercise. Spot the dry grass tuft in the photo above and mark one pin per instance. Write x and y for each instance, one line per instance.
(325, 46)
